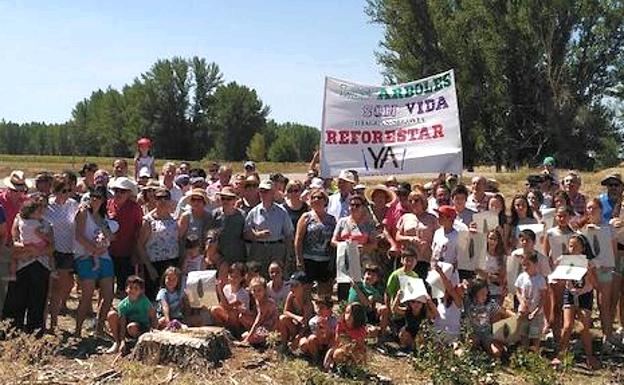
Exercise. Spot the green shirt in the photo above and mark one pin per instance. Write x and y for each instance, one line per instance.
(367, 290)
(135, 311)
(394, 285)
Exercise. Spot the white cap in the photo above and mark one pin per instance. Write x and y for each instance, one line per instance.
(347, 175)
(316, 183)
(144, 172)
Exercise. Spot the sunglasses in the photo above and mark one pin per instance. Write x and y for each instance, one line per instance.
(197, 199)
(251, 186)
(317, 198)
(355, 205)
(227, 198)
(162, 198)
(120, 191)
(613, 185)
(293, 190)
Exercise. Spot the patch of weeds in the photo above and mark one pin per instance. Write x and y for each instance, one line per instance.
(452, 365)
(27, 348)
(533, 368)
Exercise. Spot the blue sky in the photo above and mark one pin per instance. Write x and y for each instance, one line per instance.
(55, 53)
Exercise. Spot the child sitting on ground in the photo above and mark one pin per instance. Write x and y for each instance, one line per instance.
(170, 298)
(409, 317)
(408, 260)
(349, 341)
(233, 299)
(254, 269)
(322, 329)
(134, 315)
(531, 292)
(371, 297)
(298, 310)
(483, 312)
(266, 317)
(277, 288)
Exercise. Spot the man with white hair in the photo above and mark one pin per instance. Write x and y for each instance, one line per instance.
(168, 173)
(338, 205)
(478, 200)
(572, 185)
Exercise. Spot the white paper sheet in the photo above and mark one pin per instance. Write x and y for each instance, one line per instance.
(601, 243)
(201, 288)
(435, 281)
(513, 271)
(486, 221)
(548, 218)
(348, 264)
(506, 330)
(412, 288)
(571, 267)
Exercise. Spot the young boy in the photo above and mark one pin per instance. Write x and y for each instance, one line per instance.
(134, 315)
(408, 259)
(322, 327)
(527, 247)
(445, 245)
(371, 297)
(531, 292)
(193, 257)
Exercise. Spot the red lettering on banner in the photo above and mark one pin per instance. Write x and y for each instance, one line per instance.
(389, 136)
(354, 136)
(366, 137)
(377, 137)
(438, 131)
(401, 135)
(344, 137)
(424, 133)
(331, 137)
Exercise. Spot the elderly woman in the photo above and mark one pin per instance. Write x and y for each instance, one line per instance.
(158, 242)
(61, 213)
(358, 228)
(416, 229)
(312, 240)
(197, 220)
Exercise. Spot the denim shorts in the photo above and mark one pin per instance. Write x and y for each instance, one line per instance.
(84, 268)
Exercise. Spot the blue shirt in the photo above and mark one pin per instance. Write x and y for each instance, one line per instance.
(338, 206)
(275, 219)
(607, 207)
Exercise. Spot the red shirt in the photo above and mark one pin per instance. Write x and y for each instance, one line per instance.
(129, 216)
(355, 334)
(10, 212)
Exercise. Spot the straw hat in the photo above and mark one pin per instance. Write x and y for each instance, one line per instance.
(390, 195)
(16, 181)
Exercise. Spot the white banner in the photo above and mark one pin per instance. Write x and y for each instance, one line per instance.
(402, 129)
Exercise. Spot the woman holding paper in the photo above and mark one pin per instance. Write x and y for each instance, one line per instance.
(416, 229)
(358, 229)
(603, 244)
(521, 214)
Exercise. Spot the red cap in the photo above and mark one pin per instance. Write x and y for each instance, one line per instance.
(144, 142)
(447, 211)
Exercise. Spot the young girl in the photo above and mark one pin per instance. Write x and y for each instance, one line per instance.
(483, 313)
(233, 298)
(278, 289)
(170, 298)
(555, 245)
(266, 317)
(410, 317)
(521, 214)
(447, 322)
(193, 258)
(144, 158)
(322, 329)
(298, 309)
(578, 298)
(494, 271)
(33, 230)
(348, 346)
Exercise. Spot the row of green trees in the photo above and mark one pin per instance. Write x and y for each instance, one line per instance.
(535, 77)
(183, 105)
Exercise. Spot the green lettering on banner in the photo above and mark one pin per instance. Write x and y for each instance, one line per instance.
(410, 90)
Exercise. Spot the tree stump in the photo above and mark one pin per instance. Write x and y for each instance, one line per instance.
(185, 348)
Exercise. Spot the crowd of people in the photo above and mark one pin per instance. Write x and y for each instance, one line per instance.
(273, 244)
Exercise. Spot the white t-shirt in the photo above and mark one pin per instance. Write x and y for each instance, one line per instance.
(531, 288)
(63, 220)
(445, 246)
(241, 295)
(278, 296)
